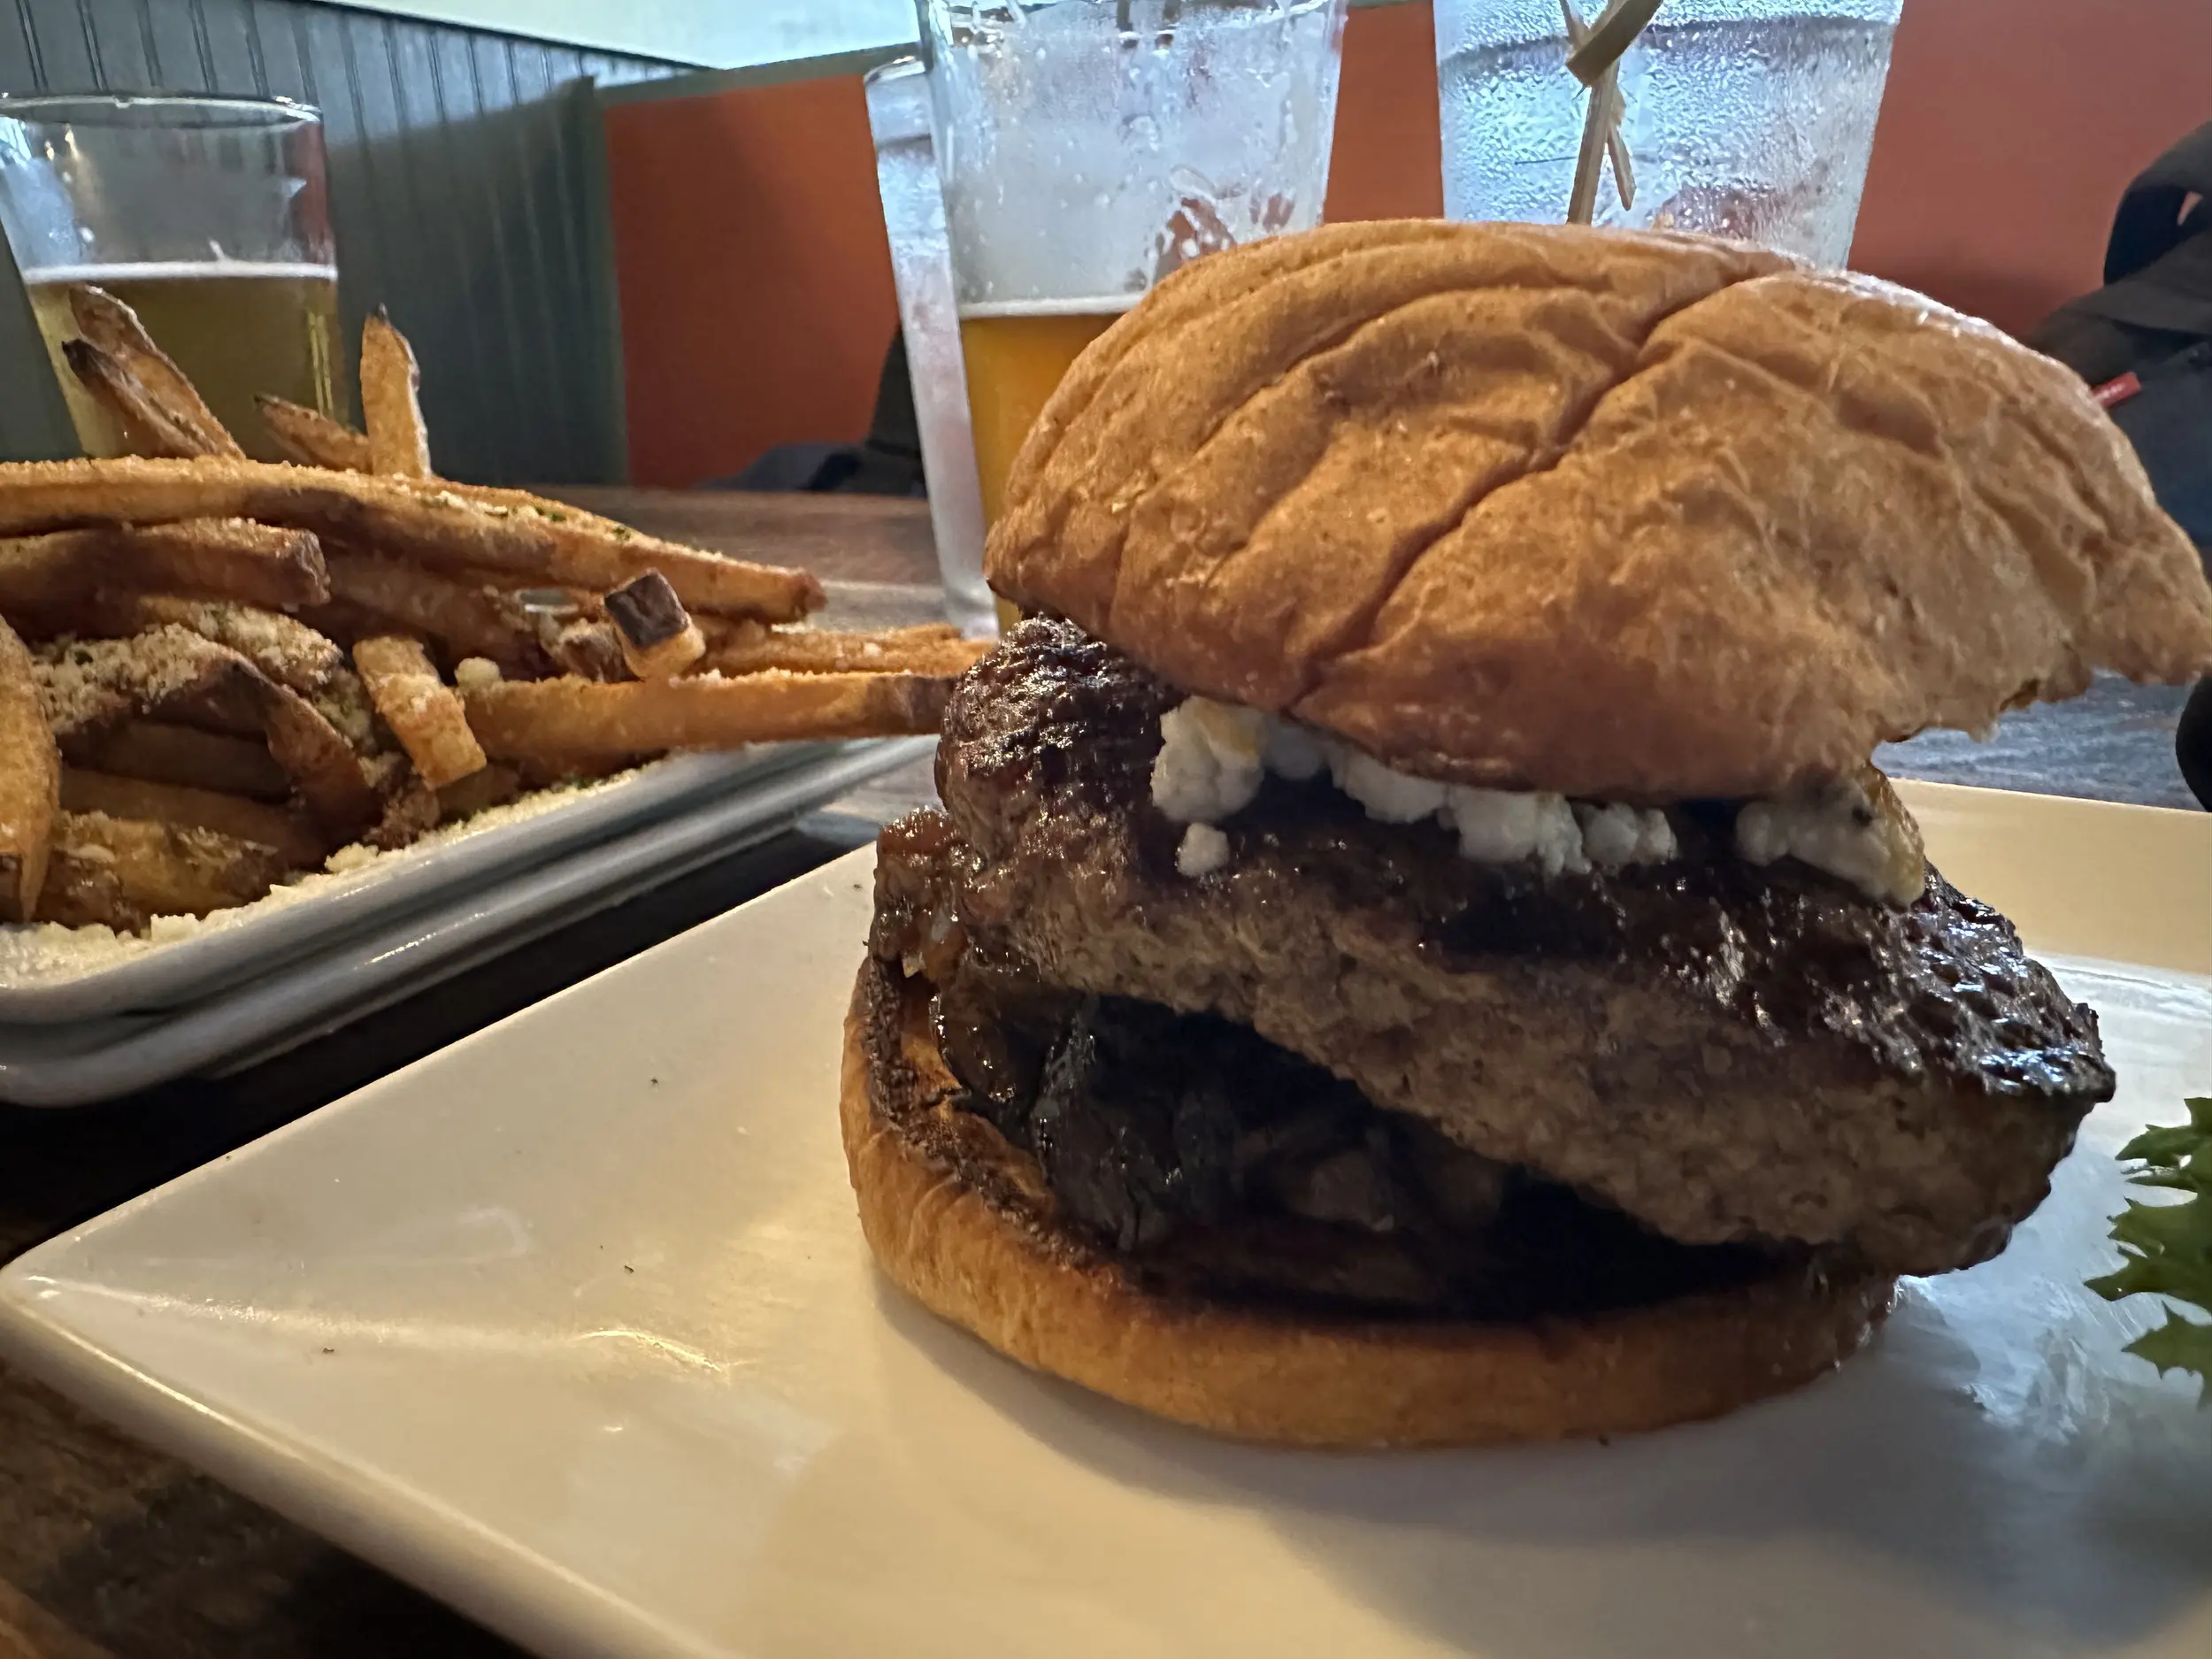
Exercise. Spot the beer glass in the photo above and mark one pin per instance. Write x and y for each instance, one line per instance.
(1748, 118)
(1088, 147)
(207, 215)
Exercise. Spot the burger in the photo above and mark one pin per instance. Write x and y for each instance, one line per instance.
(1414, 949)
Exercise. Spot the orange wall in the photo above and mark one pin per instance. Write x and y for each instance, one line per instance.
(1388, 162)
(755, 283)
(756, 296)
(2010, 128)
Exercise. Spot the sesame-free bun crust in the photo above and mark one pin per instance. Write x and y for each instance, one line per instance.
(962, 1221)
(1610, 513)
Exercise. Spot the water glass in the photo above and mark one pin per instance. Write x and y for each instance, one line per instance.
(1748, 118)
(921, 269)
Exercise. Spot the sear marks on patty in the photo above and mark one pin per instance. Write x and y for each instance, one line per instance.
(1722, 1051)
(1222, 1165)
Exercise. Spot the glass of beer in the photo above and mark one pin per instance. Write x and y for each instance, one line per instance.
(1088, 147)
(209, 216)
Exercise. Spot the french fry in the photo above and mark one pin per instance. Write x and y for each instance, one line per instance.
(673, 655)
(114, 329)
(321, 763)
(122, 871)
(421, 521)
(92, 687)
(412, 809)
(932, 648)
(281, 647)
(579, 719)
(467, 620)
(345, 704)
(312, 438)
(147, 429)
(399, 444)
(89, 687)
(227, 558)
(494, 785)
(584, 646)
(83, 890)
(493, 496)
(30, 773)
(57, 575)
(288, 834)
(196, 672)
(220, 710)
(544, 506)
(658, 636)
(343, 624)
(156, 752)
(423, 712)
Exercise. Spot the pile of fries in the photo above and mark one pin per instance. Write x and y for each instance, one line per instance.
(215, 673)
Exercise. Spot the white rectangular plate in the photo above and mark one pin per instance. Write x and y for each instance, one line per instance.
(41, 985)
(572, 1324)
(353, 977)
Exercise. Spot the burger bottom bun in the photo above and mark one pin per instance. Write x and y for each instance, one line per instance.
(962, 1220)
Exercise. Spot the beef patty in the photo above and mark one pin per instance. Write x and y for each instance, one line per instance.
(1726, 1053)
(1213, 1164)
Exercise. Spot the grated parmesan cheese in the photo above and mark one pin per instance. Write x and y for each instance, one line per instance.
(47, 952)
(284, 648)
(81, 682)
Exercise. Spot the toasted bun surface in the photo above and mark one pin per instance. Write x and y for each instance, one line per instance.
(962, 1221)
(1610, 513)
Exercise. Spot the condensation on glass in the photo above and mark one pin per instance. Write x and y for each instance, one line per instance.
(921, 268)
(1747, 118)
(1088, 147)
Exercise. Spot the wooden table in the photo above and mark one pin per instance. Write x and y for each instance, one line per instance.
(106, 1548)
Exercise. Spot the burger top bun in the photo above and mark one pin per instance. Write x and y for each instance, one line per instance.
(1614, 514)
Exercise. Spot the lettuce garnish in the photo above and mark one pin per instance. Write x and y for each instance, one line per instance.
(2166, 1248)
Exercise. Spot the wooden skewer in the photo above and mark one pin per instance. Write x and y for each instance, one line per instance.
(1615, 29)
(1617, 147)
(1624, 173)
(1582, 204)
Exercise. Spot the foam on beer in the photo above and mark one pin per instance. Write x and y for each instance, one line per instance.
(177, 270)
(1097, 306)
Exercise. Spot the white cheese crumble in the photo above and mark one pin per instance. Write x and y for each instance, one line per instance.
(1210, 765)
(1204, 851)
(1214, 755)
(1505, 826)
(473, 673)
(1614, 836)
(1390, 798)
(1855, 832)
(1293, 752)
